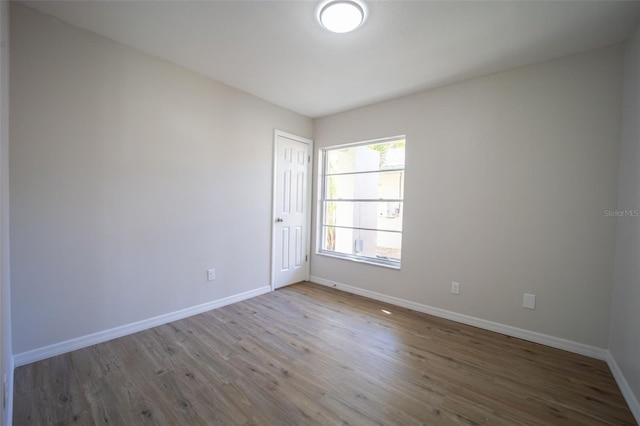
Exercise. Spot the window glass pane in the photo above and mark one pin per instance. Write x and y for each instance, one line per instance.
(371, 186)
(362, 208)
(364, 158)
(370, 244)
(374, 215)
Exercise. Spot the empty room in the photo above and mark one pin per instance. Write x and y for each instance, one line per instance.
(320, 212)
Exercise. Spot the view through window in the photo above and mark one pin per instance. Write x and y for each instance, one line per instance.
(362, 201)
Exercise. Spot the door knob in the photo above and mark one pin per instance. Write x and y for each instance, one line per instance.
(279, 219)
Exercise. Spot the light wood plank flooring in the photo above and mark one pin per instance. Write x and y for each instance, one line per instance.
(309, 355)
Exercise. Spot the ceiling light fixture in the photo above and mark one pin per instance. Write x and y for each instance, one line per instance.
(341, 16)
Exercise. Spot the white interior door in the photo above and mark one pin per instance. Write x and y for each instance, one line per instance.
(291, 219)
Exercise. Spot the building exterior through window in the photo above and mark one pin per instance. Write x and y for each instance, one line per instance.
(362, 201)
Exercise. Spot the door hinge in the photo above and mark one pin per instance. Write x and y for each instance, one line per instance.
(306, 258)
(309, 159)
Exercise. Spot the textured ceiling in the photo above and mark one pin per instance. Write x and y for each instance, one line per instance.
(277, 51)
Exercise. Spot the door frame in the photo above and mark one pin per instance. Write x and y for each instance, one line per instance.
(308, 204)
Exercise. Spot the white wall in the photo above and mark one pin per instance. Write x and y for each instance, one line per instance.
(130, 177)
(624, 342)
(507, 180)
(6, 354)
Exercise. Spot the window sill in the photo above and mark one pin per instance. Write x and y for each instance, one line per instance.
(367, 261)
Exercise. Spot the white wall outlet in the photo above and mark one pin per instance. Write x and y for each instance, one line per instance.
(529, 301)
(455, 287)
(211, 274)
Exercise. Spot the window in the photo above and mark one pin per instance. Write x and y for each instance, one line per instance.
(362, 191)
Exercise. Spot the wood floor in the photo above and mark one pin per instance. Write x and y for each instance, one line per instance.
(309, 355)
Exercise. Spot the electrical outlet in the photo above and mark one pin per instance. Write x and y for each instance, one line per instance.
(455, 288)
(211, 274)
(529, 301)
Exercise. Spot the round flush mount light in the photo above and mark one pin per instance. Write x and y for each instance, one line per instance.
(341, 16)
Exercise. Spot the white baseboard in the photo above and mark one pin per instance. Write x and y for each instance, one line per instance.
(38, 354)
(520, 333)
(627, 392)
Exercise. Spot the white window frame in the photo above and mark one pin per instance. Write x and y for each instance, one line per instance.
(322, 174)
